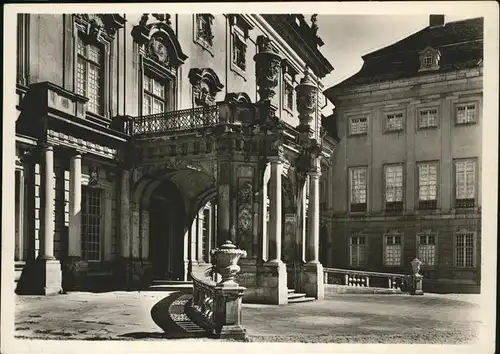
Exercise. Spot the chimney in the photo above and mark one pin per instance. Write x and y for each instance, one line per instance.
(436, 20)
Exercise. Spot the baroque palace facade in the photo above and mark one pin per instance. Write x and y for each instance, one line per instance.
(144, 141)
(408, 162)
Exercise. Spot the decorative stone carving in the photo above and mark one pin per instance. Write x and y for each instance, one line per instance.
(206, 85)
(267, 68)
(415, 266)
(168, 50)
(237, 97)
(99, 24)
(225, 260)
(93, 175)
(307, 93)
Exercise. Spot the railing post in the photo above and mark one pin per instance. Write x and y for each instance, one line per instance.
(228, 294)
(346, 278)
(367, 279)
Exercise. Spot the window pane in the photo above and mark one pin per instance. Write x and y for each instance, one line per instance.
(81, 77)
(358, 126)
(94, 89)
(358, 185)
(91, 223)
(465, 179)
(394, 183)
(427, 178)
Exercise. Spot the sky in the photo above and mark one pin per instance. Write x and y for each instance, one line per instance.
(348, 37)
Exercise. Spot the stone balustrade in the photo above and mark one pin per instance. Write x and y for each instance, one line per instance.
(217, 305)
(357, 278)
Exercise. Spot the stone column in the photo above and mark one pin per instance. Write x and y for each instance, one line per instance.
(125, 265)
(264, 199)
(49, 276)
(275, 211)
(313, 270)
(201, 218)
(75, 207)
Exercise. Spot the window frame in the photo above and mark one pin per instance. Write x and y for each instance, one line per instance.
(349, 188)
(384, 244)
(428, 233)
(102, 235)
(349, 127)
(403, 199)
(106, 71)
(202, 42)
(465, 104)
(238, 35)
(365, 247)
(288, 81)
(417, 179)
(474, 249)
(394, 113)
(429, 108)
(476, 192)
(165, 100)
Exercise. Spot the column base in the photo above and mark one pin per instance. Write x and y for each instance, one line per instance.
(41, 277)
(272, 283)
(235, 332)
(312, 280)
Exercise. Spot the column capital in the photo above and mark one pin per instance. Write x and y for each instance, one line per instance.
(46, 147)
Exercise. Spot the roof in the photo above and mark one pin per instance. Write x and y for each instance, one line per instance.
(460, 44)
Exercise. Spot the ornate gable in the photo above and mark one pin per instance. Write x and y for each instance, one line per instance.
(100, 26)
(158, 41)
(206, 85)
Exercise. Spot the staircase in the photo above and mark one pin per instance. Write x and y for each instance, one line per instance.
(18, 269)
(294, 297)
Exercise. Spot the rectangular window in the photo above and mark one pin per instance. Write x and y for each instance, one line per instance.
(464, 250)
(426, 251)
(91, 223)
(394, 122)
(393, 187)
(288, 92)
(393, 250)
(358, 126)
(357, 186)
(239, 52)
(427, 185)
(204, 28)
(427, 118)
(466, 113)
(89, 74)
(154, 96)
(357, 251)
(465, 183)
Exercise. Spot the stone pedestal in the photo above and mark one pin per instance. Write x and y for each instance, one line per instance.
(228, 312)
(312, 280)
(416, 281)
(49, 277)
(272, 282)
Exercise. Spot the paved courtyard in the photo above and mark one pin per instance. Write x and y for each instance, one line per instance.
(342, 319)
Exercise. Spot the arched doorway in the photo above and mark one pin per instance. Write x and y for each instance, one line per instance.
(167, 212)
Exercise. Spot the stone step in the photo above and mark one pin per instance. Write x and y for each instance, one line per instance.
(171, 282)
(300, 299)
(166, 287)
(295, 295)
(291, 291)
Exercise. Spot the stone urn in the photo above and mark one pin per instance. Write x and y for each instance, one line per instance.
(415, 266)
(307, 94)
(225, 260)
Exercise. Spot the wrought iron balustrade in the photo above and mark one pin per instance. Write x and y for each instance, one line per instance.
(183, 119)
(359, 278)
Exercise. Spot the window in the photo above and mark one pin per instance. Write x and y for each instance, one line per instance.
(427, 118)
(204, 28)
(465, 183)
(358, 252)
(466, 113)
(427, 60)
(464, 249)
(393, 250)
(357, 181)
(288, 93)
(239, 52)
(154, 96)
(426, 248)
(89, 74)
(91, 223)
(394, 122)
(427, 186)
(393, 187)
(358, 126)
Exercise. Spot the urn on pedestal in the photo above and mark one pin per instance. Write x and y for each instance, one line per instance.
(225, 260)
(416, 278)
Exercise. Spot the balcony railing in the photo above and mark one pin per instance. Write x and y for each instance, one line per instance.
(358, 278)
(184, 119)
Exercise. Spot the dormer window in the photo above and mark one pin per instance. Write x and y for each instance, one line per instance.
(429, 59)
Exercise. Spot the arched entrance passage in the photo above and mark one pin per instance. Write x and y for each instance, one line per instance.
(167, 227)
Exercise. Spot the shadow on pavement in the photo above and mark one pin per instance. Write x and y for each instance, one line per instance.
(162, 315)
